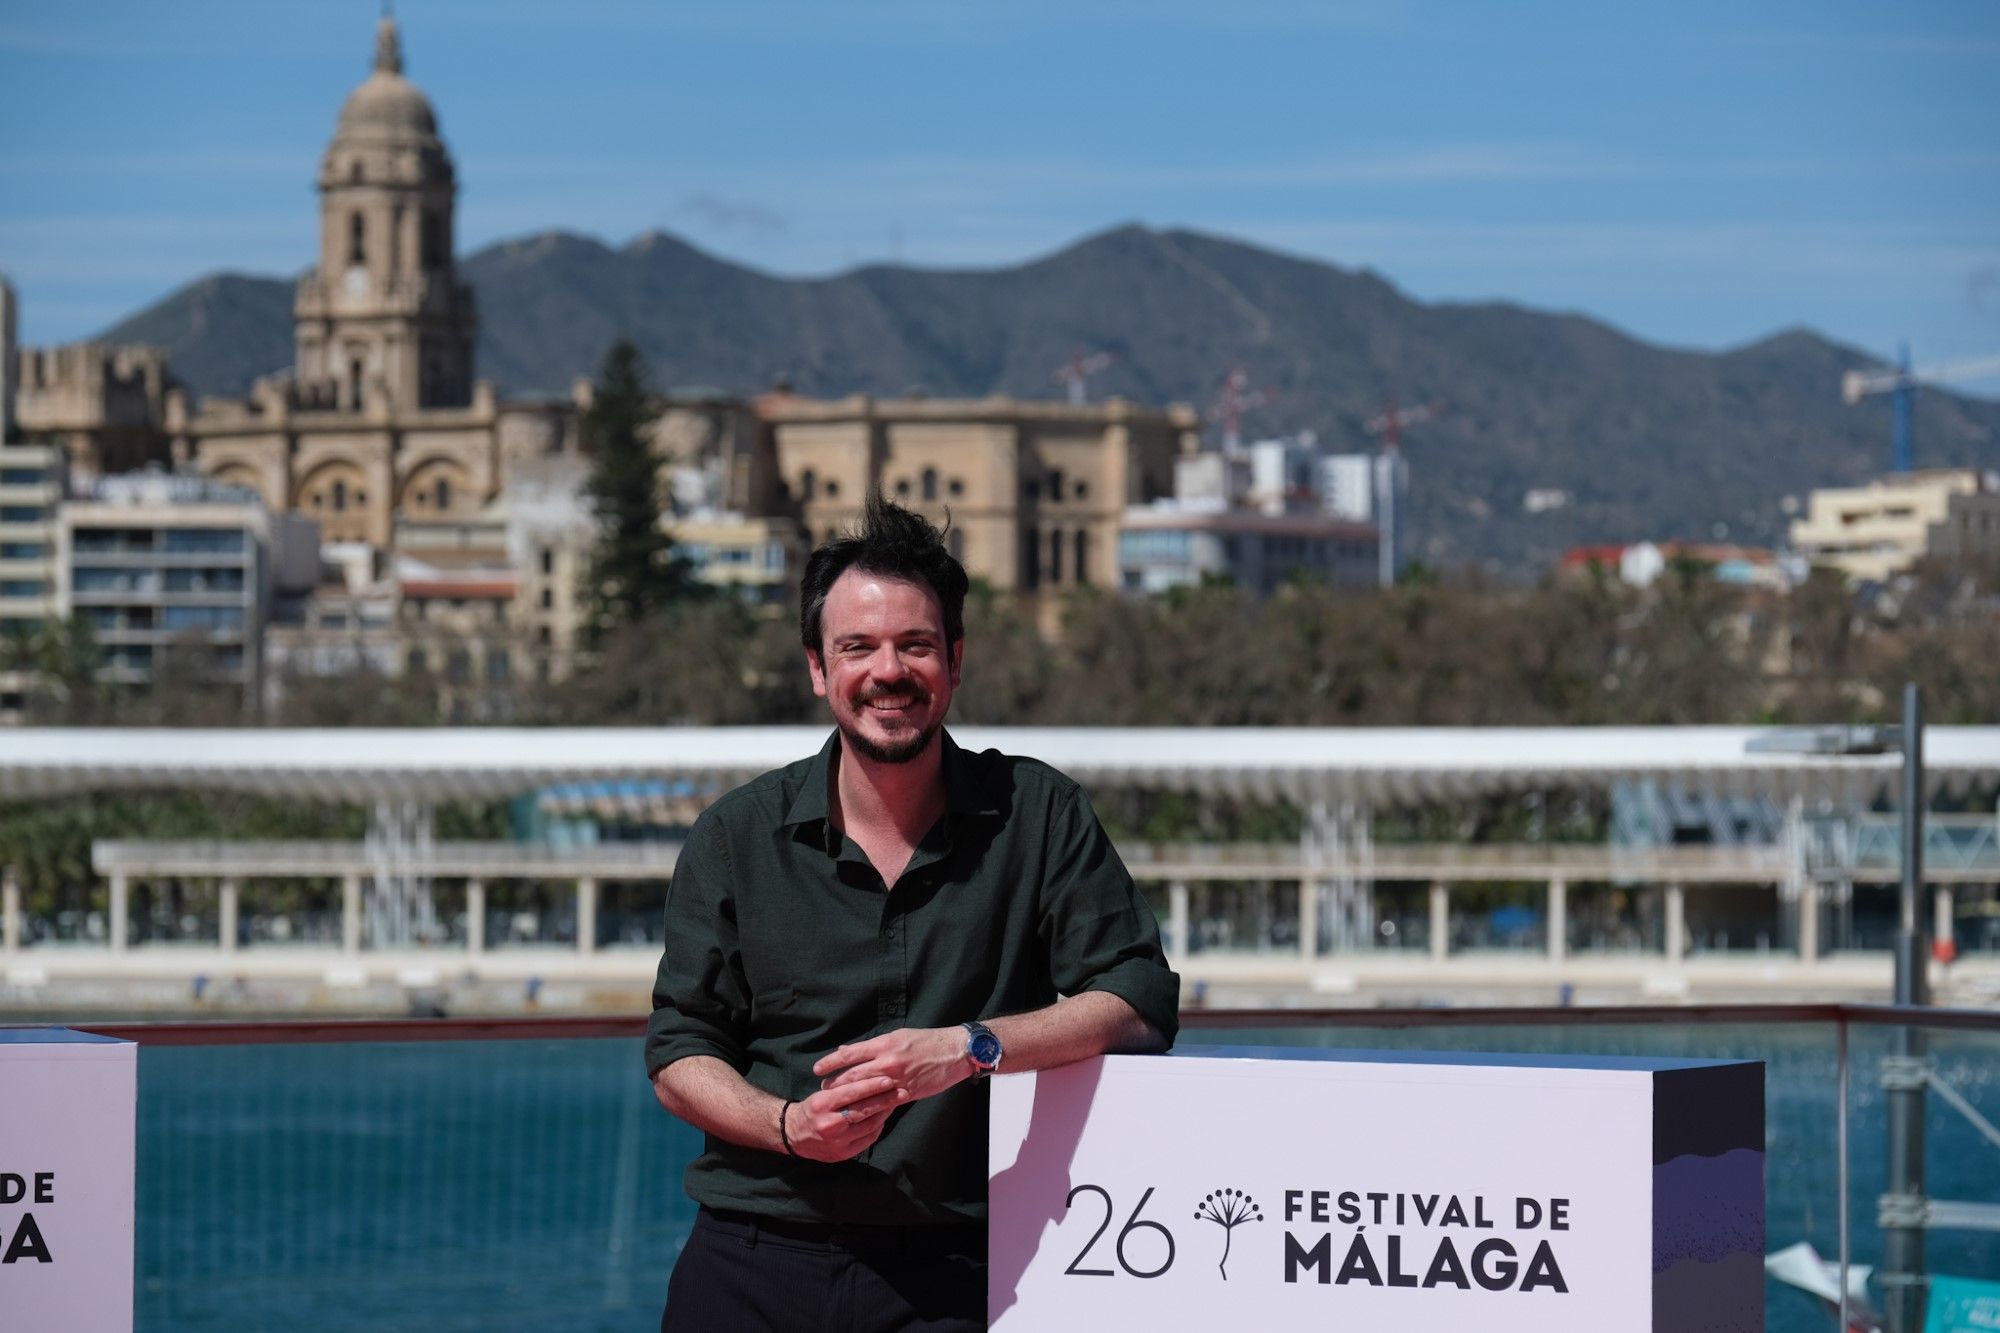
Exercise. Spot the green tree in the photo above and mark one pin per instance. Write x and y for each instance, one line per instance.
(730, 667)
(633, 569)
(62, 659)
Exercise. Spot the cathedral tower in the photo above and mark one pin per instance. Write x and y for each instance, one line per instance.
(384, 325)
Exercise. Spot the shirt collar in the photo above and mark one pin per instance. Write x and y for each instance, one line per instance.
(966, 791)
(809, 806)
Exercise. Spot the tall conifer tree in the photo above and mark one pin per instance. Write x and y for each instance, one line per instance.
(633, 569)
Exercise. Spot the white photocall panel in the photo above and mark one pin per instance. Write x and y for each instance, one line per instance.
(68, 1106)
(1377, 1191)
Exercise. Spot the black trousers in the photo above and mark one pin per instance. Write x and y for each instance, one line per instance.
(737, 1273)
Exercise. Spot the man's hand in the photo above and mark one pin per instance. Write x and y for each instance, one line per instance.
(918, 1062)
(837, 1123)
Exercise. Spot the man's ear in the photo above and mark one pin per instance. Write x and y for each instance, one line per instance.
(816, 669)
(957, 660)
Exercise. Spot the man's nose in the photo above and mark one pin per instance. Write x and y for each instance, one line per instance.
(888, 663)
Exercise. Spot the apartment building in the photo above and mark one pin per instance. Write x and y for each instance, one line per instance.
(1873, 532)
(161, 564)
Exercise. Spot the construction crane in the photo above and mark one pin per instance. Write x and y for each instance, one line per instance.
(1236, 398)
(1900, 382)
(1075, 373)
(1392, 477)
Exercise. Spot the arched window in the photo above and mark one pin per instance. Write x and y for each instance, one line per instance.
(444, 495)
(1082, 565)
(436, 246)
(1055, 556)
(339, 495)
(832, 488)
(930, 483)
(1031, 560)
(808, 484)
(354, 383)
(903, 489)
(357, 238)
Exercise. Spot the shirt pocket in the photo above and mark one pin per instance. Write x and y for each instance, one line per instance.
(767, 1002)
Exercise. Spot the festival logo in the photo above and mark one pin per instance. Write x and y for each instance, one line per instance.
(1228, 1209)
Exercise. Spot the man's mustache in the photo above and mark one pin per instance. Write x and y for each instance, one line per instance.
(910, 692)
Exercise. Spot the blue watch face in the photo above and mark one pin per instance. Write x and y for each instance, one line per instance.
(984, 1048)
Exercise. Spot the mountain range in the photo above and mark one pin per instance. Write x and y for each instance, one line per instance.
(1638, 441)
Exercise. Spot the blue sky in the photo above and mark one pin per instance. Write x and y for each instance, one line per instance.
(1699, 174)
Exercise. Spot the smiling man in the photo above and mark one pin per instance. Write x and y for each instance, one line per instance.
(852, 943)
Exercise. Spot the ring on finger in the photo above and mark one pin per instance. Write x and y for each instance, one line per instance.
(844, 1113)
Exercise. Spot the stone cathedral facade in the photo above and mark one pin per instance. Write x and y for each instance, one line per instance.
(380, 417)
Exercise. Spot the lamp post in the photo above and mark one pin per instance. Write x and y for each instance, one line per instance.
(1902, 1210)
(1905, 1073)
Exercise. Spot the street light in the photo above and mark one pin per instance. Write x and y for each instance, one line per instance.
(1905, 1072)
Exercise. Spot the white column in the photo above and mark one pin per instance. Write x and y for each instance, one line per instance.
(227, 900)
(350, 914)
(1807, 906)
(10, 911)
(1676, 941)
(1440, 921)
(586, 915)
(1941, 914)
(475, 916)
(1558, 941)
(121, 905)
(1308, 919)
(1177, 918)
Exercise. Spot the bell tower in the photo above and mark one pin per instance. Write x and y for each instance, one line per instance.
(383, 323)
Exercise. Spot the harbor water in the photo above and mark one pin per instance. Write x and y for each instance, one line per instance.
(536, 1185)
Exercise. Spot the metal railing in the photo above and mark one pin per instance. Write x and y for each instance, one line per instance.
(1964, 1081)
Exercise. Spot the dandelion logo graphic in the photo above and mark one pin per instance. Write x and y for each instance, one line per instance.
(1228, 1209)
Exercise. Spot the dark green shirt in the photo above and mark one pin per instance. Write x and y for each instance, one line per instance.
(782, 944)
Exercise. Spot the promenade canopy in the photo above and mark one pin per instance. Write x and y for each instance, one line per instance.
(1377, 766)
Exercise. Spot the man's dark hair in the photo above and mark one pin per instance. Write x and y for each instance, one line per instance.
(894, 543)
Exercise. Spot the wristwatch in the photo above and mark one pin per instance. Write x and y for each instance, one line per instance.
(982, 1048)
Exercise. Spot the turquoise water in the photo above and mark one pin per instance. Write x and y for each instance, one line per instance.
(536, 1184)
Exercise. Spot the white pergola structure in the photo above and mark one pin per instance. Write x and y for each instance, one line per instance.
(1376, 766)
(1339, 777)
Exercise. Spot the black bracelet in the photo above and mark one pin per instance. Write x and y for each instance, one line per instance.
(784, 1135)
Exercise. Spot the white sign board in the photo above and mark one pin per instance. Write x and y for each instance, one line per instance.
(1378, 1190)
(68, 1116)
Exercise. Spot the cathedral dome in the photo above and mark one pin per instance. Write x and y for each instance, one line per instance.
(387, 105)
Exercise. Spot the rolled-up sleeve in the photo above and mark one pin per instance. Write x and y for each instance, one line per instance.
(1101, 934)
(699, 1001)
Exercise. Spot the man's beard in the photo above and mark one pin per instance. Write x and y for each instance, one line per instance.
(895, 752)
(892, 752)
